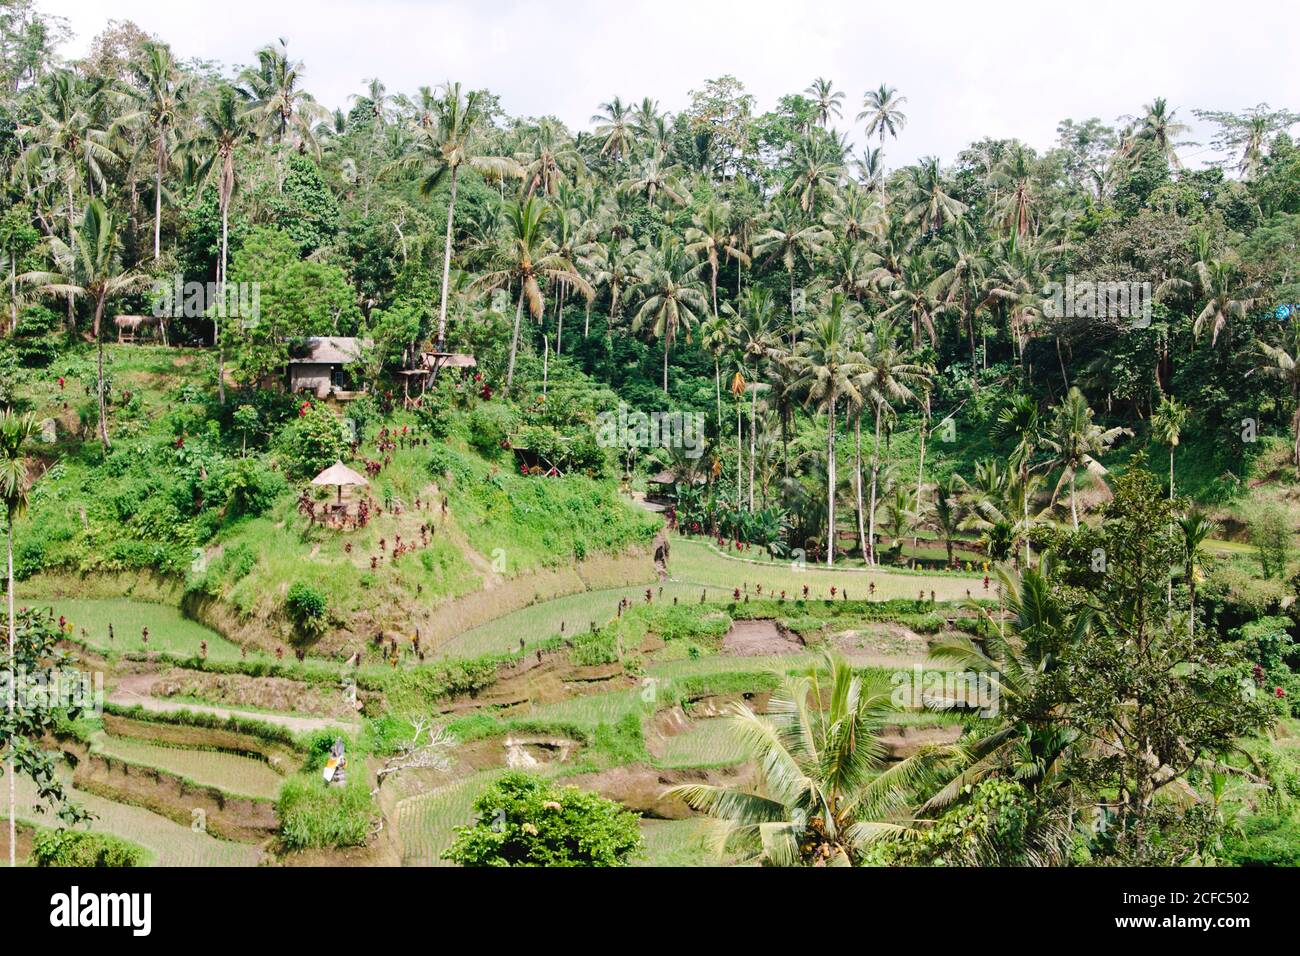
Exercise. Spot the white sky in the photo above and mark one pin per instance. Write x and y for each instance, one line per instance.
(968, 69)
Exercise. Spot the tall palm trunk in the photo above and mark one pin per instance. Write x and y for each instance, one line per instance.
(72, 242)
(1074, 502)
(830, 483)
(446, 263)
(920, 471)
(99, 370)
(717, 391)
(753, 407)
(514, 339)
(10, 770)
(13, 294)
(857, 482)
(740, 459)
(216, 320)
(875, 478)
(157, 203)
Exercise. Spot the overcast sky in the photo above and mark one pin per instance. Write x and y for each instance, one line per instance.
(968, 69)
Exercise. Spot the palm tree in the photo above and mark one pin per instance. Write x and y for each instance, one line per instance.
(825, 792)
(162, 98)
(1194, 528)
(654, 178)
(931, 206)
(529, 258)
(1166, 428)
(1159, 131)
(673, 297)
(754, 335)
(826, 100)
(959, 283)
(222, 128)
(276, 100)
(1220, 283)
(788, 238)
(911, 297)
(1018, 201)
(91, 267)
(828, 372)
(15, 432)
(549, 159)
(947, 510)
(886, 380)
(69, 136)
(710, 235)
(1019, 421)
(881, 110)
(447, 137)
(1283, 362)
(614, 129)
(1077, 443)
(816, 165)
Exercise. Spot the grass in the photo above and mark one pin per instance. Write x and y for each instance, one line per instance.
(677, 843)
(697, 562)
(426, 823)
(711, 743)
(241, 776)
(169, 630)
(167, 842)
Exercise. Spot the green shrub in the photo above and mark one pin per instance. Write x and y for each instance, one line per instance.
(316, 815)
(307, 608)
(80, 848)
(524, 821)
(489, 425)
(1264, 841)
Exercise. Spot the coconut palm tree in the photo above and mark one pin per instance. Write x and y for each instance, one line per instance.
(816, 165)
(931, 206)
(673, 298)
(1166, 428)
(886, 380)
(162, 95)
(1159, 131)
(222, 128)
(963, 267)
(1077, 443)
(710, 236)
(755, 336)
(277, 102)
(1019, 422)
(910, 297)
(528, 257)
(829, 369)
(1283, 362)
(1018, 201)
(789, 237)
(447, 136)
(948, 510)
(826, 100)
(825, 791)
(92, 268)
(881, 108)
(15, 432)
(549, 159)
(1194, 529)
(614, 129)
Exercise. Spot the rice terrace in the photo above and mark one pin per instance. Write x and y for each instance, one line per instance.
(815, 472)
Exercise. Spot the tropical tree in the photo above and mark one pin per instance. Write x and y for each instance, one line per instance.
(614, 129)
(828, 372)
(825, 792)
(826, 100)
(1283, 362)
(710, 236)
(221, 130)
(931, 206)
(788, 237)
(1166, 428)
(161, 94)
(1194, 529)
(15, 432)
(91, 268)
(528, 257)
(1077, 443)
(881, 108)
(276, 101)
(672, 296)
(446, 137)
(948, 510)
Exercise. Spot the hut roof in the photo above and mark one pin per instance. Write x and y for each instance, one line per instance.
(330, 350)
(339, 474)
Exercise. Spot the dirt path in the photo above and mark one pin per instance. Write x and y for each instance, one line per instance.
(130, 693)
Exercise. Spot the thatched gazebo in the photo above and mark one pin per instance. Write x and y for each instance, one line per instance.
(339, 474)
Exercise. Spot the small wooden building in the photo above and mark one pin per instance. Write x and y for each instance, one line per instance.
(320, 366)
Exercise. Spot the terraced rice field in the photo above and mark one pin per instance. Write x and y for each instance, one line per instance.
(169, 630)
(696, 562)
(541, 621)
(710, 743)
(426, 824)
(676, 843)
(241, 776)
(169, 843)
